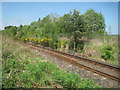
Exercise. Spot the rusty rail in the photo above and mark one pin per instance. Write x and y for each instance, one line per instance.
(71, 59)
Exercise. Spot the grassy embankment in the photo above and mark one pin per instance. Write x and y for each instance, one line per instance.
(22, 67)
(93, 49)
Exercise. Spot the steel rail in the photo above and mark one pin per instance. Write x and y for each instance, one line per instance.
(71, 60)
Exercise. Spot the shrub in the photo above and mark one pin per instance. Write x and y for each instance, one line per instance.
(80, 47)
(106, 53)
(59, 44)
(51, 42)
(23, 38)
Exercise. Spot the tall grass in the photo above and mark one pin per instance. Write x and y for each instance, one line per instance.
(93, 48)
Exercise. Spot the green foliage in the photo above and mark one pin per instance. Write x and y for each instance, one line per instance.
(107, 53)
(23, 38)
(6, 54)
(80, 47)
(67, 80)
(73, 25)
(93, 22)
(59, 44)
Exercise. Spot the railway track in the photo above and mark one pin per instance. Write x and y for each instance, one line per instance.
(106, 70)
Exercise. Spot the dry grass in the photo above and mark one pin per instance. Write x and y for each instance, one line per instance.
(93, 49)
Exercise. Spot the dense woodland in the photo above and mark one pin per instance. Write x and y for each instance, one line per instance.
(71, 31)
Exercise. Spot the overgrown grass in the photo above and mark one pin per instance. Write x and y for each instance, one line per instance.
(27, 69)
(93, 48)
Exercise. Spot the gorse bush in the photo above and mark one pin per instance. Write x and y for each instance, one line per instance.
(48, 42)
(107, 53)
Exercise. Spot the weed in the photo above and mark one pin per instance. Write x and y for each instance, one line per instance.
(107, 53)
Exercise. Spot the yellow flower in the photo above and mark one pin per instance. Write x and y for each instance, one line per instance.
(26, 39)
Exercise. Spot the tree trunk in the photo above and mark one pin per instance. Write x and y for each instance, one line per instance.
(75, 39)
(74, 45)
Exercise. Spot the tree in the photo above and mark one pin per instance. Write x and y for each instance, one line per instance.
(11, 30)
(8, 27)
(73, 25)
(45, 20)
(39, 19)
(93, 22)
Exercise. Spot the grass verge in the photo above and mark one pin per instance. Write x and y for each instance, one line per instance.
(24, 68)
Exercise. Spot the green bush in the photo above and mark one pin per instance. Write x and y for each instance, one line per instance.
(51, 44)
(23, 38)
(107, 53)
(80, 47)
(59, 44)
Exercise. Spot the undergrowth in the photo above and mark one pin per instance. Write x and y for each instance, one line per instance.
(107, 53)
(97, 49)
(23, 68)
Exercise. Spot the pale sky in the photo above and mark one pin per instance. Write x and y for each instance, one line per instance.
(16, 13)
